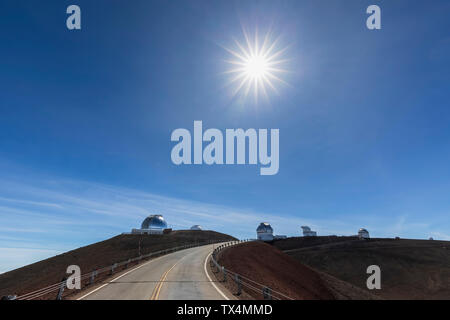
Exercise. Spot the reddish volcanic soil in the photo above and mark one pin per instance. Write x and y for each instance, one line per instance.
(95, 256)
(411, 269)
(267, 265)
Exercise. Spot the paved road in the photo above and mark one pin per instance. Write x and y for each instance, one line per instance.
(176, 276)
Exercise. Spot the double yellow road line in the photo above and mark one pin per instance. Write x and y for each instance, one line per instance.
(155, 294)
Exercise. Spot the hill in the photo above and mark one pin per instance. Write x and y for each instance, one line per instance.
(96, 256)
(269, 266)
(410, 269)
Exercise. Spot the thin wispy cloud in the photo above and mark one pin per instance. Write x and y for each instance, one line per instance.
(12, 258)
(61, 214)
(34, 203)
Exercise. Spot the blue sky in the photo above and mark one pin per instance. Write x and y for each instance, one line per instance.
(86, 119)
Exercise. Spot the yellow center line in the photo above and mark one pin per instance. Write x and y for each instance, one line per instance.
(157, 289)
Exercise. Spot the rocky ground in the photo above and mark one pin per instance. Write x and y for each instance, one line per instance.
(410, 269)
(265, 264)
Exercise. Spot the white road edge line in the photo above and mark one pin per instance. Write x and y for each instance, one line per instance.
(214, 285)
(117, 278)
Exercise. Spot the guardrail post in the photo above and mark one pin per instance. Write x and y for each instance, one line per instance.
(93, 275)
(213, 260)
(61, 290)
(224, 271)
(113, 267)
(128, 262)
(239, 285)
(267, 293)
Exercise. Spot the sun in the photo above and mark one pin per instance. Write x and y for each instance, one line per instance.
(256, 67)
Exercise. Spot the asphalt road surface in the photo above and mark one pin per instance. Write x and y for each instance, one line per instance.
(177, 276)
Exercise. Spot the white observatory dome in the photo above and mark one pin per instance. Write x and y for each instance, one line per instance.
(155, 221)
(264, 227)
(196, 227)
(264, 231)
(307, 232)
(363, 234)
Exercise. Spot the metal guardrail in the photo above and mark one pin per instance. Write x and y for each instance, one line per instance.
(241, 282)
(93, 275)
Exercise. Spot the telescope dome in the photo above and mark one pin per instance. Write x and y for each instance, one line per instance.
(264, 232)
(363, 234)
(155, 221)
(264, 227)
(196, 227)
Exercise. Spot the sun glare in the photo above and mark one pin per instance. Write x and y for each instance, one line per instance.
(256, 68)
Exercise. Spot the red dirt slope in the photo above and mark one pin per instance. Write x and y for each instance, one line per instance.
(267, 265)
(96, 256)
(411, 269)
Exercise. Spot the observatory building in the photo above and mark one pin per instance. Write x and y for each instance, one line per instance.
(363, 234)
(153, 224)
(264, 232)
(196, 227)
(307, 232)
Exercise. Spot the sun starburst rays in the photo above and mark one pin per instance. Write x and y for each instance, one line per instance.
(256, 68)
